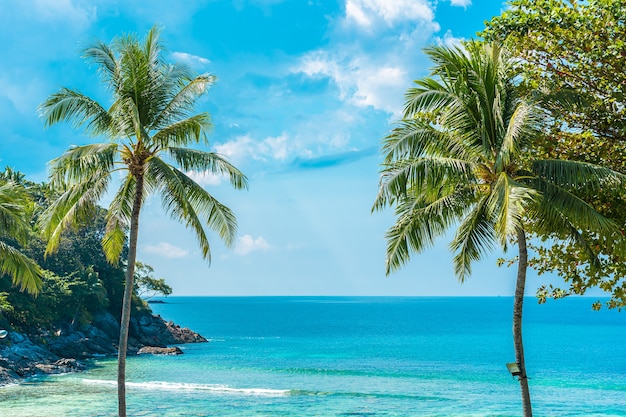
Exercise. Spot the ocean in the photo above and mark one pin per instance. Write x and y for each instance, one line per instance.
(355, 356)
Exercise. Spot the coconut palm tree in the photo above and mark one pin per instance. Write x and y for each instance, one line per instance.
(149, 126)
(459, 159)
(15, 206)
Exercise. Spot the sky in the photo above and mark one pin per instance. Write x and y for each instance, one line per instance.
(305, 91)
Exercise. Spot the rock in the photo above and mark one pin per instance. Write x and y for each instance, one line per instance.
(60, 350)
(156, 350)
(157, 332)
(183, 334)
(108, 324)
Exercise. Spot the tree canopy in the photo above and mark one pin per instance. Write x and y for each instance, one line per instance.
(575, 51)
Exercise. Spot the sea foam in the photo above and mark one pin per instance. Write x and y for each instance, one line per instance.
(181, 386)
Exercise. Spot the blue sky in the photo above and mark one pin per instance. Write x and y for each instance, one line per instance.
(306, 89)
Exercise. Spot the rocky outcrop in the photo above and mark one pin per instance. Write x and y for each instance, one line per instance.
(152, 330)
(62, 350)
(154, 350)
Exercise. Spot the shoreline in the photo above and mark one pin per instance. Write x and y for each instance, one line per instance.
(69, 350)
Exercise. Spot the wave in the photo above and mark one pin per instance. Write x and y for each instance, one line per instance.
(181, 386)
(260, 392)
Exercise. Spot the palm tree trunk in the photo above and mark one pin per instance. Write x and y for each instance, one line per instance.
(517, 320)
(128, 295)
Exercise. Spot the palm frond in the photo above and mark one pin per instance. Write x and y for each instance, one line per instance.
(74, 107)
(108, 67)
(74, 206)
(183, 132)
(564, 209)
(15, 206)
(185, 200)
(192, 159)
(80, 163)
(23, 271)
(425, 173)
(474, 237)
(522, 125)
(428, 97)
(576, 174)
(182, 102)
(118, 220)
(420, 221)
(507, 204)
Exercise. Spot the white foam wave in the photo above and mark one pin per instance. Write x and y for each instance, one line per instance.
(180, 386)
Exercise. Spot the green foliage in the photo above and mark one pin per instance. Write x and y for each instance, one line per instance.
(576, 46)
(462, 157)
(149, 128)
(146, 285)
(576, 51)
(16, 209)
(149, 125)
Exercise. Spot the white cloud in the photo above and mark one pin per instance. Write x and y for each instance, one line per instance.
(360, 81)
(365, 13)
(237, 149)
(461, 3)
(65, 10)
(166, 250)
(450, 40)
(277, 147)
(247, 244)
(191, 60)
(205, 178)
(274, 148)
(373, 52)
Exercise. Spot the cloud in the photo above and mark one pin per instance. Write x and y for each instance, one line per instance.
(373, 52)
(450, 41)
(361, 81)
(277, 147)
(191, 60)
(64, 10)
(247, 244)
(461, 3)
(166, 250)
(205, 178)
(366, 13)
(272, 148)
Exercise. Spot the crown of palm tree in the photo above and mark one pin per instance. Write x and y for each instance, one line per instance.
(149, 124)
(459, 158)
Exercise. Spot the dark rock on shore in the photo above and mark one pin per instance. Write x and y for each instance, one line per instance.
(154, 350)
(63, 350)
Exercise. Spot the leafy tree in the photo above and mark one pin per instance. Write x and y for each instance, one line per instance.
(576, 49)
(146, 285)
(573, 45)
(80, 250)
(15, 207)
(149, 126)
(459, 159)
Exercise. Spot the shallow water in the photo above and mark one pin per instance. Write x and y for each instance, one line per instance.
(351, 356)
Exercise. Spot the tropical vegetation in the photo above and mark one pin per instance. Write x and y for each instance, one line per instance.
(75, 284)
(576, 50)
(15, 211)
(461, 157)
(149, 127)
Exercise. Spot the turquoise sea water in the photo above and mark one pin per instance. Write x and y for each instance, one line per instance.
(351, 356)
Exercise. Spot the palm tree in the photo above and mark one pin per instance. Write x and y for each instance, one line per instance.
(459, 158)
(14, 212)
(149, 126)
